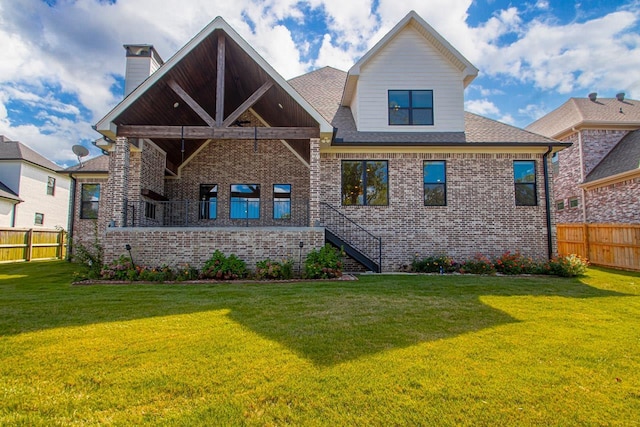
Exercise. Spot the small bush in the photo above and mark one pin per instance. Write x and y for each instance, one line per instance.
(186, 272)
(88, 257)
(325, 263)
(120, 269)
(156, 274)
(433, 264)
(515, 263)
(569, 266)
(221, 267)
(273, 270)
(479, 264)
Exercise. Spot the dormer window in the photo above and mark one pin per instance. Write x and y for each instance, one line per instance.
(411, 107)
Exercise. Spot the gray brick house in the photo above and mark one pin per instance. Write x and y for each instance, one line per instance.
(597, 179)
(215, 150)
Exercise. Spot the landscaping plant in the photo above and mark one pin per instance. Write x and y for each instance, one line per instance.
(221, 267)
(325, 263)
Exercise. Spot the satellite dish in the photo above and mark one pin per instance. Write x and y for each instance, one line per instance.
(80, 151)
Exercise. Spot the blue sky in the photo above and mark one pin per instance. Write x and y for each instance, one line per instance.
(63, 61)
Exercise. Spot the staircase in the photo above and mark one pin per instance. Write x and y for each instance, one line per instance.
(356, 242)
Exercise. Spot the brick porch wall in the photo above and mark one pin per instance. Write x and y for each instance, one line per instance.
(480, 216)
(84, 230)
(178, 246)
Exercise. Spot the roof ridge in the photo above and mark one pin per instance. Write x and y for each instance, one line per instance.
(577, 107)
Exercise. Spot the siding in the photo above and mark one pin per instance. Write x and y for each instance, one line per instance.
(33, 190)
(137, 71)
(409, 62)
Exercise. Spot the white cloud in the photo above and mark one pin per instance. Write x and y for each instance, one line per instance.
(484, 107)
(533, 111)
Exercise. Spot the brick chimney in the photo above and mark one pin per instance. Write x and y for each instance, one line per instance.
(142, 61)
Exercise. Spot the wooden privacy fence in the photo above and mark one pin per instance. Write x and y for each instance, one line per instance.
(609, 245)
(20, 244)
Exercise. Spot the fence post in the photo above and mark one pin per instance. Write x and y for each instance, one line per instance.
(29, 244)
(587, 238)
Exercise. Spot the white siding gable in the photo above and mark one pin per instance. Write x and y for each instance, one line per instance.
(409, 62)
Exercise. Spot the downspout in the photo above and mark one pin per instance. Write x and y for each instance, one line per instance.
(547, 198)
(72, 215)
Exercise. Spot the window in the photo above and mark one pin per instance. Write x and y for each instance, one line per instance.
(208, 201)
(90, 200)
(365, 183)
(411, 107)
(245, 201)
(435, 183)
(282, 201)
(555, 163)
(149, 210)
(573, 202)
(51, 186)
(39, 220)
(560, 205)
(524, 176)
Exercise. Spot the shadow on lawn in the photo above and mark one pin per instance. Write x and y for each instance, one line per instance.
(325, 322)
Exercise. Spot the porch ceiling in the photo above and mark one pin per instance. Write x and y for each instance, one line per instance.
(196, 75)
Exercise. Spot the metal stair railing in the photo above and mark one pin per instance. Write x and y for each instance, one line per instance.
(352, 233)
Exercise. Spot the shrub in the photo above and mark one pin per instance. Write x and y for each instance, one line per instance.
(479, 264)
(515, 263)
(120, 269)
(221, 267)
(569, 266)
(273, 270)
(156, 274)
(433, 264)
(325, 263)
(186, 272)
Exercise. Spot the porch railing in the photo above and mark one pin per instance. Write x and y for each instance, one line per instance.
(196, 213)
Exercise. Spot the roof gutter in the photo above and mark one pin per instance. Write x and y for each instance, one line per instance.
(547, 198)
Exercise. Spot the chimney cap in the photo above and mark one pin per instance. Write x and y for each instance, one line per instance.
(593, 96)
(620, 96)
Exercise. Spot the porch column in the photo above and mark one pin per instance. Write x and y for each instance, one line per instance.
(118, 181)
(314, 184)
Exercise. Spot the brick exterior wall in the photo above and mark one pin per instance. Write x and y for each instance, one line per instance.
(480, 216)
(118, 182)
(615, 203)
(84, 230)
(567, 180)
(177, 246)
(611, 203)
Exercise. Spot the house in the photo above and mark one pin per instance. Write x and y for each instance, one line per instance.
(215, 150)
(597, 179)
(32, 192)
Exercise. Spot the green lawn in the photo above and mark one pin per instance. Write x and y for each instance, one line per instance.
(384, 350)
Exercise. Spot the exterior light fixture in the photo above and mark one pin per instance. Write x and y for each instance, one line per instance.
(128, 248)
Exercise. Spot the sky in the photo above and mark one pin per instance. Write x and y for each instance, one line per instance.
(62, 65)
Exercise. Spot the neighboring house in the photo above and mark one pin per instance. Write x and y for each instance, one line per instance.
(597, 179)
(32, 192)
(215, 150)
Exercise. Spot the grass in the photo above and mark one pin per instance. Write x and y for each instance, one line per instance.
(384, 350)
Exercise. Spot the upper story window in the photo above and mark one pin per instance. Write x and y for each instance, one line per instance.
(411, 107)
(524, 177)
(365, 183)
(208, 201)
(245, 201)
(555, 163)
(90, 201)
(435, 183)
(51, 186)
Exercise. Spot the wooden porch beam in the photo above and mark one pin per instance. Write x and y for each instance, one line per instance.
(206, 132)
(220, 81)
(248, 103)
(191, 103)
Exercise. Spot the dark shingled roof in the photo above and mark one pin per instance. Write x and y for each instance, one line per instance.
(14, 150)
(95, 165)
(624, 157)
(7, 193)
(323, 89)
(576, 111)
